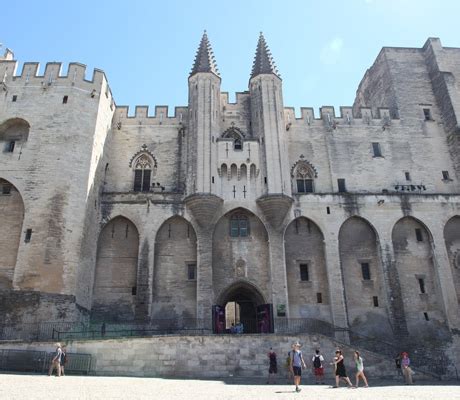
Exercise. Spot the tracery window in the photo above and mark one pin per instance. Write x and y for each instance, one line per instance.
(142, 173)
(239, 225)
(304, 176)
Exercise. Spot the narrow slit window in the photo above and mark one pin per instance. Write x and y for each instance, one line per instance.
(342, 186)
(304, 272)
(10, 146)
(65, 99)
(14, 99)
(191, 272)
(418, 235)
(427, 114)
(445, 175)
(365, 271)
(407, 174)
(377, 150)
(425, 314)
(28, 235)
(375, 300)
(328, 210)
(134, 290)
(319, 298)
(421, 283)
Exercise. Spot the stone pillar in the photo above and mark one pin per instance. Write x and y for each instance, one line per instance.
(204, 288)
(144, 280)
(278, 271)
(396, 312)
(446, 285)
(336, 287)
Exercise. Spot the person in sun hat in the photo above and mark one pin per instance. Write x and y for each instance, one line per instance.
(297, 363)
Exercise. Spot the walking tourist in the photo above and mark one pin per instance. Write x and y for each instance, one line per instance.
(406, 369)
(318, 368)
(297, 363)
(56, 361)
(63, 360)
(360, 369)
(272, 368)
(340, 371)
(398, 364)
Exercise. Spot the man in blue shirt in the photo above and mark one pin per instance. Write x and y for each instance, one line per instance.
(297, 363)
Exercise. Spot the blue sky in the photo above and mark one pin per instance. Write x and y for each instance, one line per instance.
(146, 48)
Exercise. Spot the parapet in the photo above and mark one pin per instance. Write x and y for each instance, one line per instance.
(76, 76)
(328, 117)
(141, 116)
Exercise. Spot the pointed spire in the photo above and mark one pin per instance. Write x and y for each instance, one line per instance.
(263, 61)
(204, 59)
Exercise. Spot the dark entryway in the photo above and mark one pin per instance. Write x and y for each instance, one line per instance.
(242, 309)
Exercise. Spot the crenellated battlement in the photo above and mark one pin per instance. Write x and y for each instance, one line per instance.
(241, 98)
(53, 76)
(328, 117)
(142, 117)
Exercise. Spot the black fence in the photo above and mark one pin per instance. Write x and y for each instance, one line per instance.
(39, 361)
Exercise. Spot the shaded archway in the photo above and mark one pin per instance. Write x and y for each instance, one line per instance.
(115, 282)
(412, 244)
(306, 271)
(13, 132)
(363, 280)
(242, 301)
(175, 271)
(452, 239)
(12, 216)
(240, 251)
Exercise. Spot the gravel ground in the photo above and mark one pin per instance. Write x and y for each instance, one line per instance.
(32, 387)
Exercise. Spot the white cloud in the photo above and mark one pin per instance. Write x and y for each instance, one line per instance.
(332, 51)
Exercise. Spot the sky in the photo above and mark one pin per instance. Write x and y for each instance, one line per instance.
(146, 48)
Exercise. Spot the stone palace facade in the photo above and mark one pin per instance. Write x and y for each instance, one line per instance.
(234, 212)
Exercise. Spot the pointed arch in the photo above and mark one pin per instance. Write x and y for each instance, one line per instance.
(233, 133)
(306, 270)
(115, 280)
(175, 270)
(12, 217)
(303, 175)
(12, 132)
(363, 277)
(240, 238)
(144, 167)
(452, 240)
(414, 259)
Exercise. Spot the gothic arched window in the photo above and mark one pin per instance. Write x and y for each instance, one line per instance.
(142, 173)
(239, 225)
(237, 144)
(304, 176)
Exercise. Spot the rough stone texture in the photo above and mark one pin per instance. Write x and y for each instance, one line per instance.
(74, 165)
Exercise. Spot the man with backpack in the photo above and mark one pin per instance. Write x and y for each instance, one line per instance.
(318, 368)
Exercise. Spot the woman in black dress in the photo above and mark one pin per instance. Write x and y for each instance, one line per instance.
(340, 372)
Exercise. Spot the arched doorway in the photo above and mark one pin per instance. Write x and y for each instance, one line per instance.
(241, 308)
(12, 215)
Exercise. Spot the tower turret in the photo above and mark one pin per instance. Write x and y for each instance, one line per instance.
(267, 116)
(204, 108)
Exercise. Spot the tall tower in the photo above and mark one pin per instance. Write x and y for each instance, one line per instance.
(204, 116)
(267, 116)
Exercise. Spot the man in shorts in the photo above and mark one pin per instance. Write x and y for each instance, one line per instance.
(318, 367)
(297, 363)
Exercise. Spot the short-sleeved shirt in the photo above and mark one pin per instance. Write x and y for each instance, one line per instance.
(57, 356)
(321, 359)
(296, 359)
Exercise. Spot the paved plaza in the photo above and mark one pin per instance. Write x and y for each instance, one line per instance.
(32, 387)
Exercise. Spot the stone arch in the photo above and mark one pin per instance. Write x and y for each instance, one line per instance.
(115, 281)
(175, 270)
(14, 129)
(308, 290)
(233, 133)
(412, 244)
(250, 288)
(363, 279)
(240, 257)
(452, 239)
(233, 171)
(12, 217)
(243, 173)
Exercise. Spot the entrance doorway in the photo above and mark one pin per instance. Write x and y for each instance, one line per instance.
(242, 309)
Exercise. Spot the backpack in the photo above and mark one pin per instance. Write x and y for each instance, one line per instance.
(317, 362)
